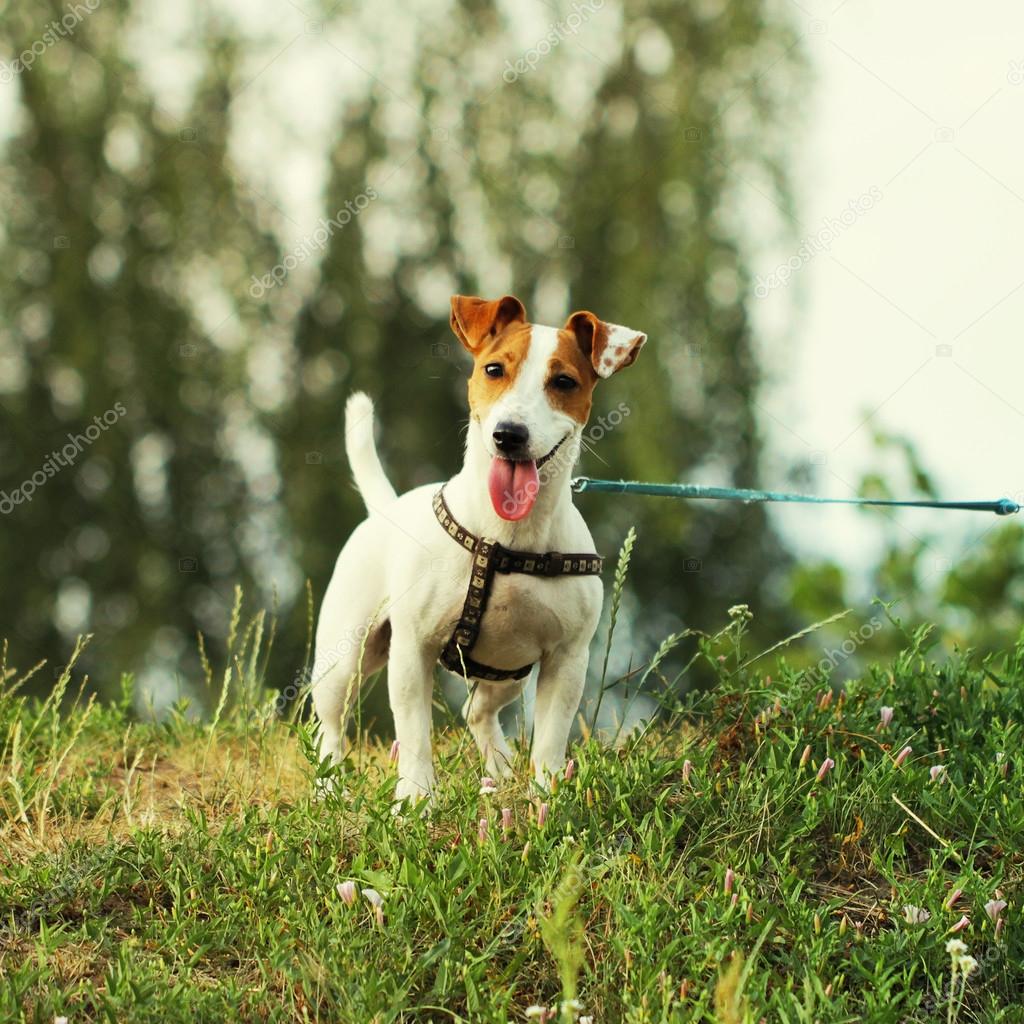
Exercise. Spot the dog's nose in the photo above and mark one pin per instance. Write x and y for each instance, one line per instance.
(510, 438)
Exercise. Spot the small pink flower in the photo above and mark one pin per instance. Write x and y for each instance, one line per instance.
(915, 915)
(506, 819)
(481, 830)
(687, 770)
(393, 756)
(570, 769)
(903, 755)
(963, 923)
(885, 716)
(994, 908)
(952, 898)
(730, 880)
(805, 756)
(999, 926)
(347, 891)
(542, 815)
(937, 771)
(827, 764)
(488, 786)
(735, 899)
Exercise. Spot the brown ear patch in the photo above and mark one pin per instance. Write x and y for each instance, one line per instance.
(475, 321)
(609, 347)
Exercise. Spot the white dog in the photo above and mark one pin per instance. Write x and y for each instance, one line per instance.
(472, 572)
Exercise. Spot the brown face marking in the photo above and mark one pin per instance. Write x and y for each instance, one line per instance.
(509, 348)
(570, 359)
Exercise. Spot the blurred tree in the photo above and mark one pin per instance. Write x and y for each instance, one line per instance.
(967, 581)
(576, 181)
(675, 126)
(125, 238)
(591, 155)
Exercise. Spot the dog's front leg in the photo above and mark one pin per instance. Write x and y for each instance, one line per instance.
(563, 674)
(481, 709)
(410, 688)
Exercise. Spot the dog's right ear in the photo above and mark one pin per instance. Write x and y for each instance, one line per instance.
(475, 320)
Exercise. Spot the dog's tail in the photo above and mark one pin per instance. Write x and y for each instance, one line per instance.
(373, 485)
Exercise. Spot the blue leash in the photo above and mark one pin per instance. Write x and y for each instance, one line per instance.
(1002, 507)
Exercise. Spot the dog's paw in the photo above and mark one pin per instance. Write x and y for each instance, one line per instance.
(500, 766)
(411, 794)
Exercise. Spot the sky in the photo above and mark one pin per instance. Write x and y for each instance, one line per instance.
(907, 317)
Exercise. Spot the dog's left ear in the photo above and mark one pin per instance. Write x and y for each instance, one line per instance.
(609, 347)
(475, 320)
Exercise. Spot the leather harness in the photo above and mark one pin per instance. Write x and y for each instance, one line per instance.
(490, 557)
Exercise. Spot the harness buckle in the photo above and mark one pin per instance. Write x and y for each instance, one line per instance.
(553, 566)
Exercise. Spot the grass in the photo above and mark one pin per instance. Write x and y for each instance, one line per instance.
(706, 869)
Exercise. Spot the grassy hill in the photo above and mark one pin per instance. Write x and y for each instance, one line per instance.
(750, 857)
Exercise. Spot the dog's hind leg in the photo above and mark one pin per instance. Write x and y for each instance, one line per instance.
(352, 640)
(329, 694)
(336, 690)
(341, 665)
(481, 710)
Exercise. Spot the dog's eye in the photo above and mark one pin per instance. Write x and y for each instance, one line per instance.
(563, 382)
(494, 370)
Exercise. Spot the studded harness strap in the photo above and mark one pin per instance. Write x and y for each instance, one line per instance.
(490, 557)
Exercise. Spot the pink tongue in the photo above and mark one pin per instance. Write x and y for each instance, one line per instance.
(513, 487)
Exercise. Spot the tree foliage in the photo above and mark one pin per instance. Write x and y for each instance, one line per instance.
(607, 175)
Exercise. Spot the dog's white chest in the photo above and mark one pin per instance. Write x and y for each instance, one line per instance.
(526, 616)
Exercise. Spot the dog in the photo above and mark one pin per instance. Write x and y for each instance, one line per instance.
(471, 572)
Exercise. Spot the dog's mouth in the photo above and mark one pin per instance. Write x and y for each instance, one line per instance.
(514, 485)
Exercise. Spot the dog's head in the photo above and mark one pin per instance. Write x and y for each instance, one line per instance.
(531, 388)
